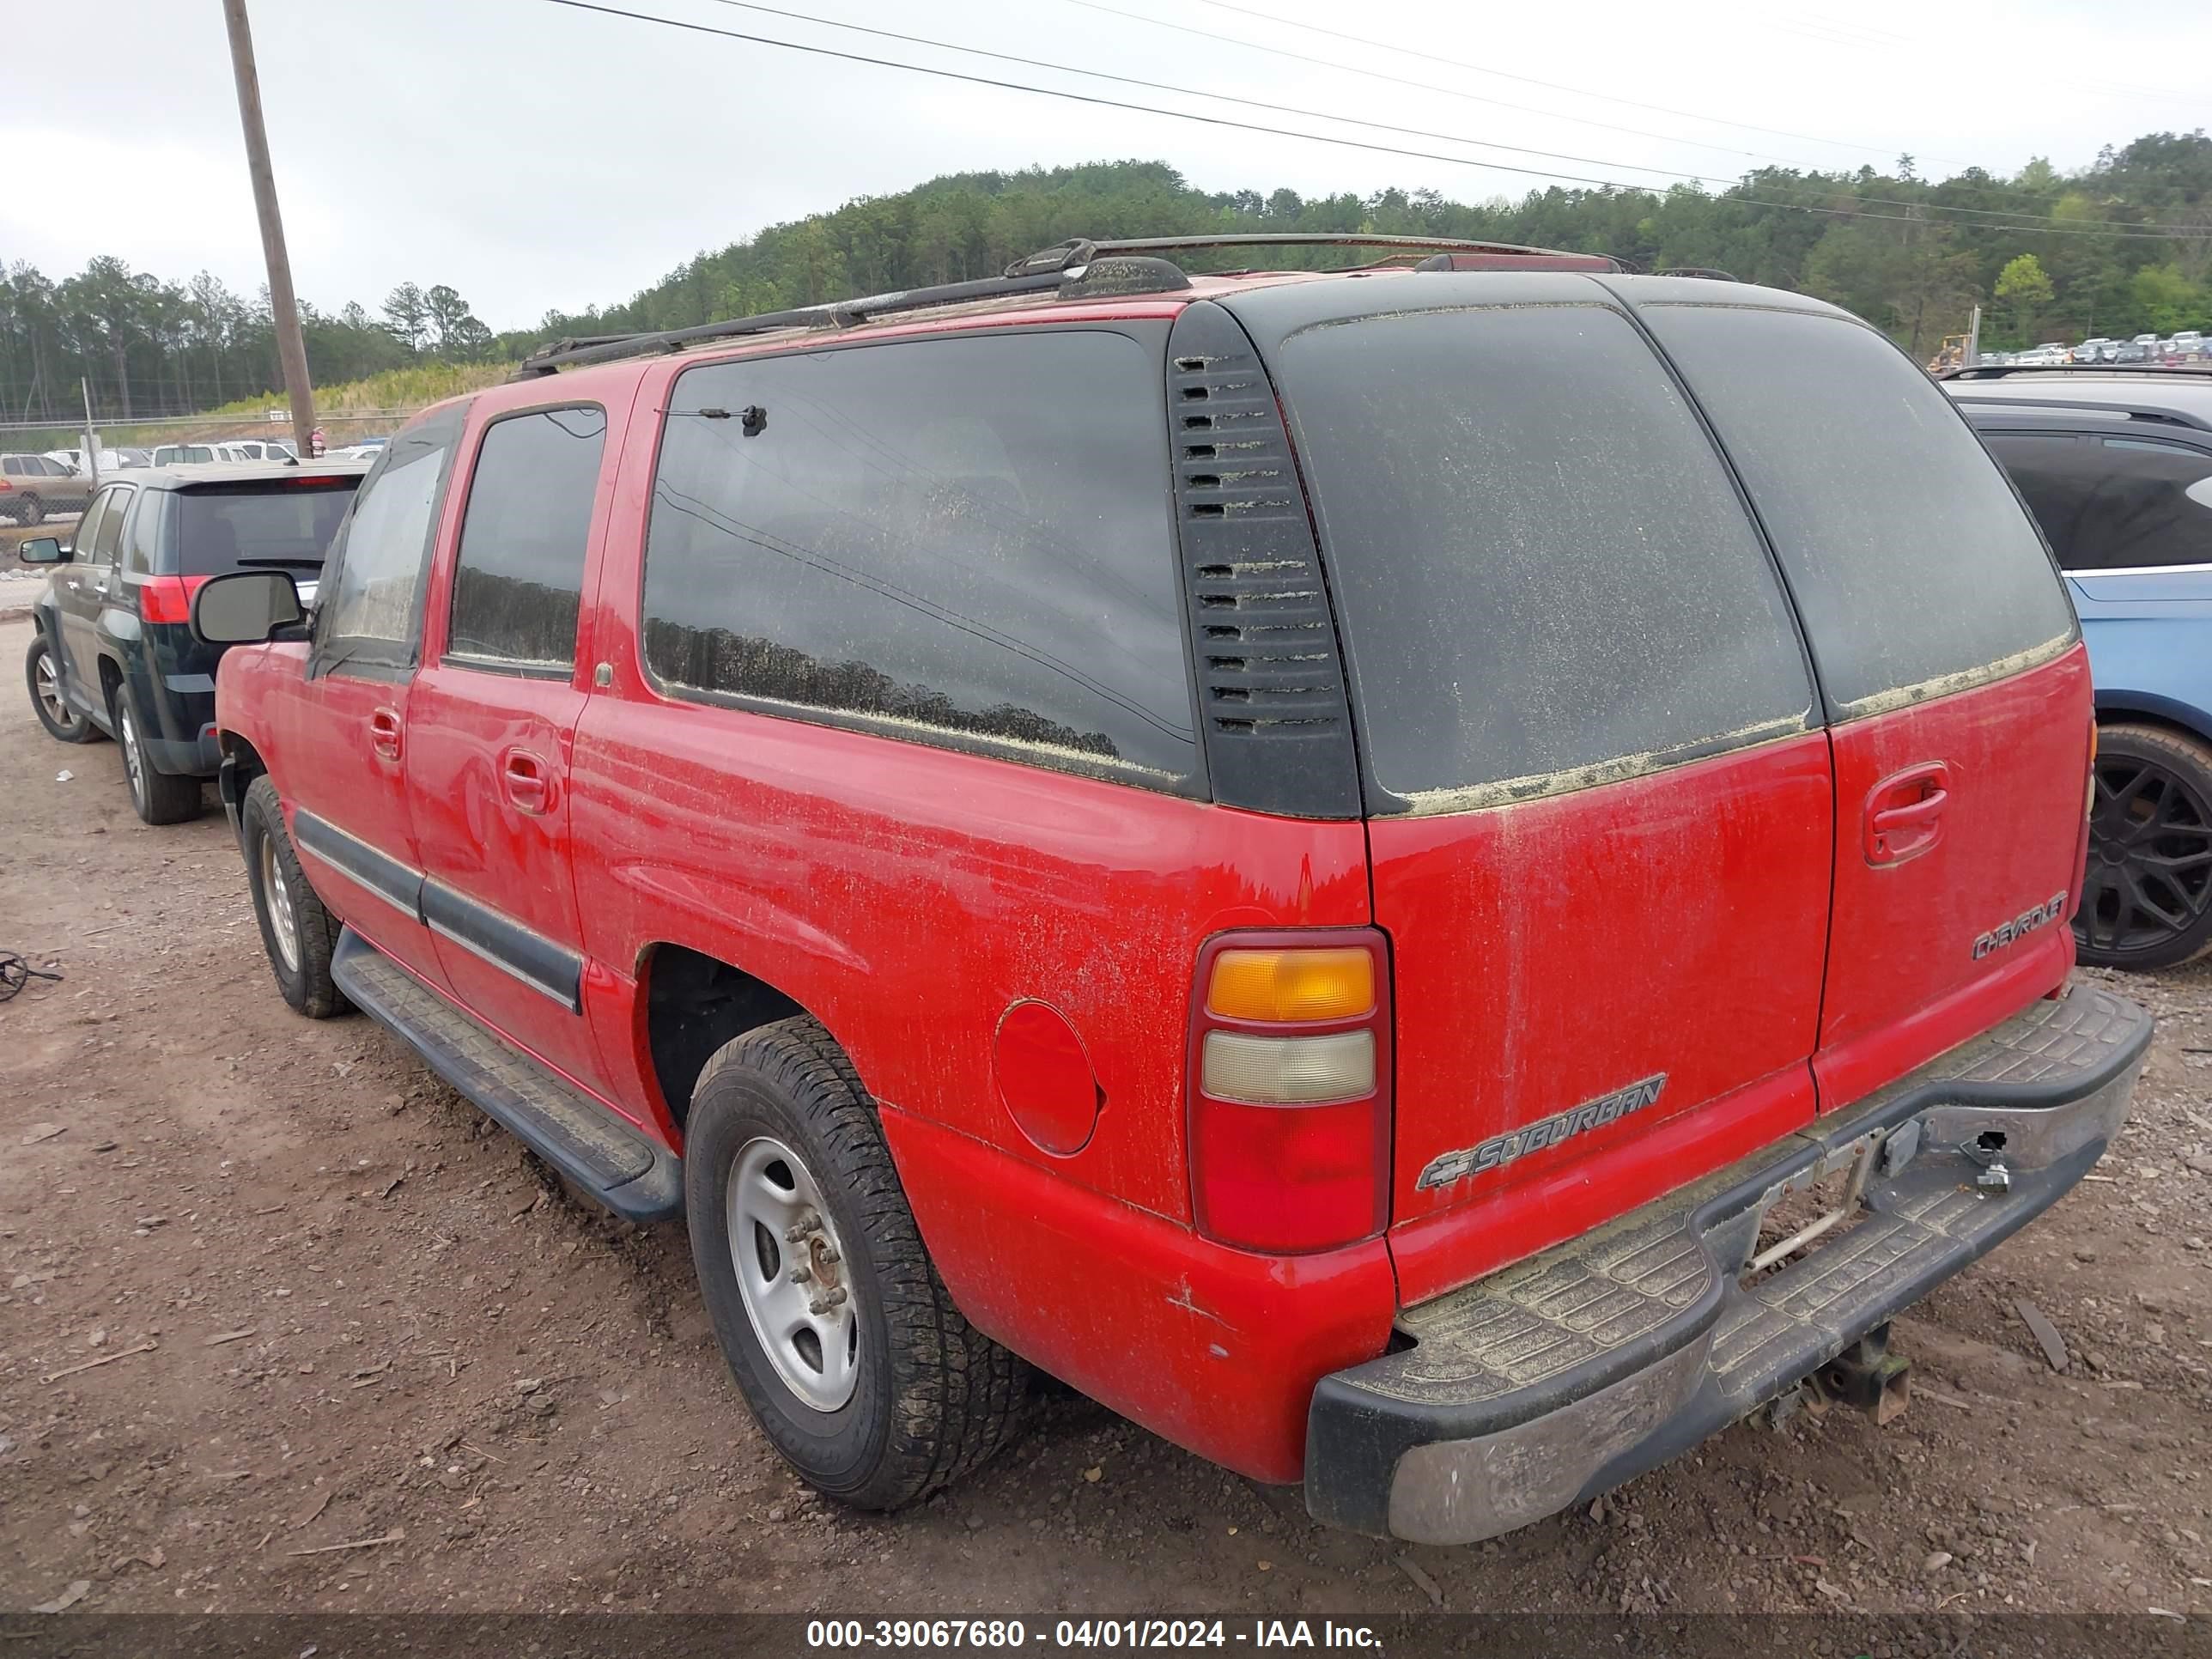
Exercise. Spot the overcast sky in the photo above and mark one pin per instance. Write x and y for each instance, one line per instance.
(533, 155)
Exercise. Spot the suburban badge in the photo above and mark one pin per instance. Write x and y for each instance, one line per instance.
(1501, 1150)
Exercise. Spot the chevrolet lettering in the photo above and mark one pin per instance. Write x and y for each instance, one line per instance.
(2020, 925)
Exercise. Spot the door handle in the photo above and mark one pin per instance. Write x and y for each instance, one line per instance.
(384, 733)
(1905, 813)
(528, 782)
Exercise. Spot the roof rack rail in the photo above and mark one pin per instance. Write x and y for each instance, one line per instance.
(1078, 251)
(1707, 272)
(1095, 279)
(1081, 267)
(1999, 371)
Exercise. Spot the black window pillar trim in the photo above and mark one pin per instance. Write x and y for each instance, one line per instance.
(1265, 659)
(398, 659)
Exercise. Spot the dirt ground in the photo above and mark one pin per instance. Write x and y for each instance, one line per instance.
(340, 1306)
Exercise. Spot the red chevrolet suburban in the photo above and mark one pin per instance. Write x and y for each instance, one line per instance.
(1435, 880)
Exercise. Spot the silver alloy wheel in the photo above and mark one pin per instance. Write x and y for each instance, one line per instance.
(49, 692)
(791, 1273)
(283, 921)
(134, 765)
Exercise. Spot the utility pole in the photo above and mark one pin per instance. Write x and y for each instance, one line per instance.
(291, 349)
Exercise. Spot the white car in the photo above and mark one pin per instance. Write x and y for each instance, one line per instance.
(111, 460)
(262, 449)
(186, 455)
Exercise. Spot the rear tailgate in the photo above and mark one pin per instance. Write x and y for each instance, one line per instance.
(1956, 687)
(1600, 802)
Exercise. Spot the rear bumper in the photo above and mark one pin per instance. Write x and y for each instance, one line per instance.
(184, 757)
(1567, 1374)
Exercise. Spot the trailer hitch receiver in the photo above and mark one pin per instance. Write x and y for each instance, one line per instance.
(1868, 1377)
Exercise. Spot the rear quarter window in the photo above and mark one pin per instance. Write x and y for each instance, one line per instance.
(1545, 577)
(958, 541)
(1915, 568)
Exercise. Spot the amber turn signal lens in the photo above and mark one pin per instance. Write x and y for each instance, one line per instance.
(1292, 985)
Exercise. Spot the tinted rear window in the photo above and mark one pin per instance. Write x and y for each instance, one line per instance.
(1545, 575)
(2114, 503)
(279, 525)
(1912, 563)
(967, 537)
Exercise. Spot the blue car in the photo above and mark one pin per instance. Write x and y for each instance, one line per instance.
(2116, 468)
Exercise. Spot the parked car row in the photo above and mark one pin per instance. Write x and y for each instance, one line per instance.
(2188, 345)
(1338, 959)
(59, 481)
(230, 452)
(111, 460)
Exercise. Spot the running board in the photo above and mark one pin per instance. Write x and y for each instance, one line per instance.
(612, 1163)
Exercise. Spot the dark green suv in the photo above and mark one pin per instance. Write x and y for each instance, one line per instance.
(113, 654)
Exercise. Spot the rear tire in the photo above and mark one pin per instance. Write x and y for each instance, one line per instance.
(158, 796)
(298, 932)
(28, 510)
(923, 1397)
(2147, 894)
(43, 674)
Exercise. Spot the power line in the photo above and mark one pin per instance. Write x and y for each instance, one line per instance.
(1259, 127)
(1476, 98)
(1527, 80)
(1223, 97)
(1424, 86)
(1386, 127)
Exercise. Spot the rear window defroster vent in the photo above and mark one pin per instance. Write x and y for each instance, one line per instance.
(1270, 683)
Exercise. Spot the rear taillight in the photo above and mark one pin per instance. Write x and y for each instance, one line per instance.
(1289, 1088)
(167, 599)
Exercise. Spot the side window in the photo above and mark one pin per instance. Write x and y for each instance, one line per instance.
(519, 575)
(15, 466)
(110, 537)
(2115, 503)
(370, 607)
(1911, 561)
(146, 531)
(966, 542)
(86, 541)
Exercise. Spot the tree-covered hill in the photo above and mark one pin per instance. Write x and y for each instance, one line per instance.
(2121, 248)
(2125, 245)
